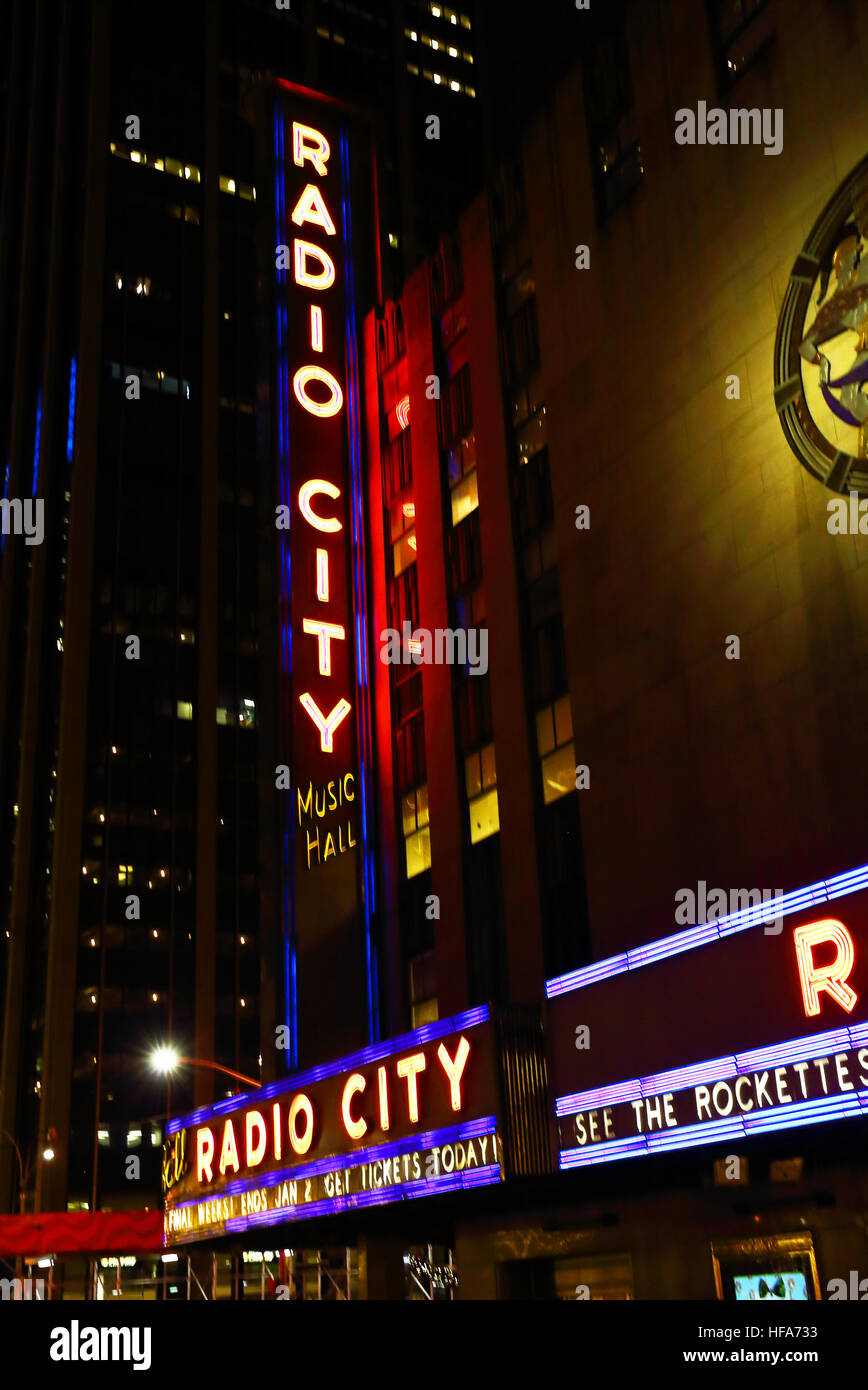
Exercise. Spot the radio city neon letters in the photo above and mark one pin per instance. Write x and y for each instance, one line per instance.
(318, 392)
(832, 976)
(262, 1138)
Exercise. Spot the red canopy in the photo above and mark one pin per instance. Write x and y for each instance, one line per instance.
(87, 1232)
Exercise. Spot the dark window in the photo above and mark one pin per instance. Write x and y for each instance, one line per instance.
(484, 914)
(465, 552)
(410, 763)
(509, 205)
(397, 466)
(616, 159)
(563, 895)
(521, 342)
(403, 599)
(533, 492)
(548, 661)
(741, 32)
(473, 702)
(456, 409)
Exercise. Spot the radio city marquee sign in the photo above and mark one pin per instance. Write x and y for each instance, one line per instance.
(328, 867)
(743, 1031)
(407, 1118)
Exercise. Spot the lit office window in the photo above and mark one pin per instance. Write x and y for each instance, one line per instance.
(465, 498)
(185, 709)
(554, 739)
(404, 552)
(125, 873)
(417, 835)
(480, 778)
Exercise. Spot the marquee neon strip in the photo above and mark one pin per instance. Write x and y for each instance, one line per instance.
(812, 1112)
(429, 1032)
(394, 1148)
(720, 1069)
(826, 890)
(424, 1187)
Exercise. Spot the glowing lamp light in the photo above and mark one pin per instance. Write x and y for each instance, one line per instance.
(402, 412)
(409, 509)
(164, 1060)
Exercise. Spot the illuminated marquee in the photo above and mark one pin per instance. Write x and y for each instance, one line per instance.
(404, 1119)
(782, 1032)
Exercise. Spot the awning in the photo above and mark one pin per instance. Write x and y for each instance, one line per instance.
(90, 1232)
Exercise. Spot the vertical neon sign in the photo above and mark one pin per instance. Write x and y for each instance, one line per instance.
(328, 902)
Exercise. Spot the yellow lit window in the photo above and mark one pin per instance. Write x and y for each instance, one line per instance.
(424, 1012)
(465, 498)
(417, 836)
(480, 779)
(559, 773)
(556, 749)
(418, 849)
(404, 551)
(125, 873)
(185, 709)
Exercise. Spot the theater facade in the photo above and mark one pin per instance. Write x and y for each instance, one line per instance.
(686, 1120)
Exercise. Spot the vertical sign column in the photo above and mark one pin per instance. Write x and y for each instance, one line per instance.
(327, 934)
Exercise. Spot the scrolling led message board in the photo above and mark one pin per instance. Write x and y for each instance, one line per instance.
(406, 1118)
(717, 1033)
(328, 866)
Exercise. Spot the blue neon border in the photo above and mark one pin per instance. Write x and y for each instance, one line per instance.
(360, 600)
(376, 1052)
(287, 901)
(791, 1116)
(825, 890)
(70, 413)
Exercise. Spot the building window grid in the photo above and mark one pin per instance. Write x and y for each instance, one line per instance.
(397, 466)
(415, 828)
(739, 37)
(556, 749)
(616, 157)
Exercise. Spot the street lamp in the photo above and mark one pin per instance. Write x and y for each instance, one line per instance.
(166, 1060)
(24, 1168)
